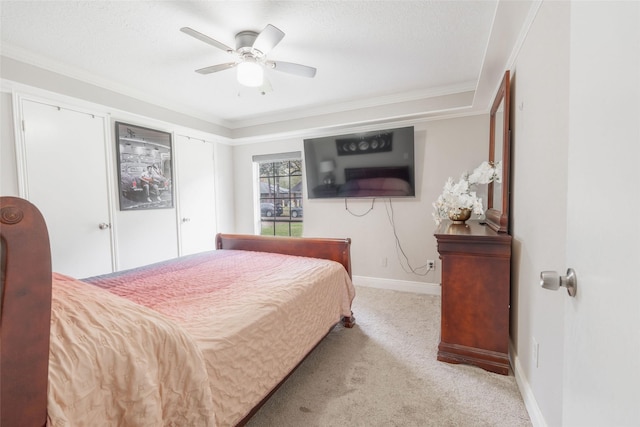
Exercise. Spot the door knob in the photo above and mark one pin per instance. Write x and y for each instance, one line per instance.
(186, 219)
(103, 226)
(553, 281)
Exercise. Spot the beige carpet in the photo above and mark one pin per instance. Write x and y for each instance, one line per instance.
(384, 372)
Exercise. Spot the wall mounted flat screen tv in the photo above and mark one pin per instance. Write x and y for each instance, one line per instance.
(371, 164)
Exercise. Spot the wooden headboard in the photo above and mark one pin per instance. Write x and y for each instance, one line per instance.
(25, 314)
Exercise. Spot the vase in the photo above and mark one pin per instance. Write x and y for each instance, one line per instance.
(460, 216)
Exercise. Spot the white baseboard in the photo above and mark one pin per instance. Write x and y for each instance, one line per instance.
(397, 285)
(537, 419)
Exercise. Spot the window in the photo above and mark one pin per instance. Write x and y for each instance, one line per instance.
(280, 185)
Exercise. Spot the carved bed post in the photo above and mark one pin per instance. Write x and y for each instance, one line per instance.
(25, 314)
(349, 321)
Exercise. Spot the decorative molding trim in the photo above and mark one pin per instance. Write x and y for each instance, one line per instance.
(508, 32)
(410, 102)
(354, 105)
(307, 125)
(322, 131)
(37, 94)
(397, 285)
(524, 32)
(64, 70)
(537, 419)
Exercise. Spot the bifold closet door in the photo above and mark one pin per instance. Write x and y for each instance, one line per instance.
(65, 176)
(196, 195)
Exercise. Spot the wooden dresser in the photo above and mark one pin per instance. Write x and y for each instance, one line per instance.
(476, 269)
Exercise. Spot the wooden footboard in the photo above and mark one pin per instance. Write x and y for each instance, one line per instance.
(333, 249)
(338, 250)
(25, 314)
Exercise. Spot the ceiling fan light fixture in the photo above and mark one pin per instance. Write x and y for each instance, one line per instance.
(250, 73)
(250, 57)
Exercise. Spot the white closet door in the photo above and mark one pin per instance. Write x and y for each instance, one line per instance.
(196, 195)
(66, 178)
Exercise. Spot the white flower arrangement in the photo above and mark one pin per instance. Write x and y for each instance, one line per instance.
(486, 173)
(457, 196)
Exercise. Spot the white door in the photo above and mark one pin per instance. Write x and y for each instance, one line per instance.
(65, 176)
(602, 323)
(196, 195)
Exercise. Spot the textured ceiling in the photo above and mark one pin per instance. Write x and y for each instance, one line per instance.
(367, 53)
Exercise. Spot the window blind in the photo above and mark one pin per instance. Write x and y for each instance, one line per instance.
(275, 157)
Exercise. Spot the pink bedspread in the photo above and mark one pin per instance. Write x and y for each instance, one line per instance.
(253, 315)
(108, 358)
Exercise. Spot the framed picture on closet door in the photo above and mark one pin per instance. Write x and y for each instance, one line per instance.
(145, 167)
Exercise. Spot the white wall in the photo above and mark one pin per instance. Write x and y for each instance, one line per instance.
(8, 173)
(575, 137)
(443, 148)
(540, 126)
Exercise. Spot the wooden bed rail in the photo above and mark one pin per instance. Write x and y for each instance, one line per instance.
(327, 248)
(25, 314)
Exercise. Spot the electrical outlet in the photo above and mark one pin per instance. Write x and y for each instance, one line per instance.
(431, 264)
(535, 352)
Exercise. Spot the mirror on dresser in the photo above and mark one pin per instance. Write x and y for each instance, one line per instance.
(499, 154)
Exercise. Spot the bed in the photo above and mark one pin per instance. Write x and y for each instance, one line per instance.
(178, 354)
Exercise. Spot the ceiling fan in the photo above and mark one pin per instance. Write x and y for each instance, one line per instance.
(251, 56)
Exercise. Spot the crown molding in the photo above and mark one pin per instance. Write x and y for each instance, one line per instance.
(410, 106)
(241, 127)
(21, 55)
(352, 105)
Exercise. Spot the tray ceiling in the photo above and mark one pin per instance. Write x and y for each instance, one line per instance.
(367, 53)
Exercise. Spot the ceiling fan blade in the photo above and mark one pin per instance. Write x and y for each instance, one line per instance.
(216, 68)
(206, 39)
(268, 39)
(291, 68)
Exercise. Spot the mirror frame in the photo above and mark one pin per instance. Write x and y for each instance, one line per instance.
(498, 219)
